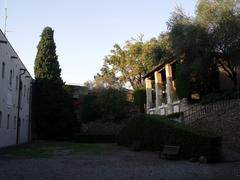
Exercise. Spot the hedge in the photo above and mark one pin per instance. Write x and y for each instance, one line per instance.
(153, 132)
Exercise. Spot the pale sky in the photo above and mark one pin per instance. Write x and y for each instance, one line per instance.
(85, 30)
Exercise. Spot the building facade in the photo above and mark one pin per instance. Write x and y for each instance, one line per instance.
(161, 96)
(15, 97)
(161, 89)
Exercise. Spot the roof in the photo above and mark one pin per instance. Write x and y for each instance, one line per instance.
(5, 40)
(160, 66)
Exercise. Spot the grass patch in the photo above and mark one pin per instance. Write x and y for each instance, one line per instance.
(50, 149)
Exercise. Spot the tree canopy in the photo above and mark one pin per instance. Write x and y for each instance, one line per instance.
(128, 64)
(46, 62)
(52, 105)
(203, 45)
(208, 42)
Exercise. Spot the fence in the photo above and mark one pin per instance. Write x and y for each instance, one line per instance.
(201, 111)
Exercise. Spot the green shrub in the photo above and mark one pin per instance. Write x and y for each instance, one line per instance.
(182, 82)
(90, 109)
(107, 104)
(214, 97)
(140, 97)
(175, 115)
(156, 131)
(112, 104)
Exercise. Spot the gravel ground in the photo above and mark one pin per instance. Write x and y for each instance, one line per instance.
(120, 164)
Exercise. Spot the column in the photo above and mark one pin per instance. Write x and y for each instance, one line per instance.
(148, 93)
(158, 88)
(169, 88)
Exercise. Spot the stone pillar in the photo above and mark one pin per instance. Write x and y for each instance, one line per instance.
(158, 88)
(148, 93)
(169, 88)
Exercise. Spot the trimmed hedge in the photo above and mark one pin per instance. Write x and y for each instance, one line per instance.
(155, 131)
(86, 138)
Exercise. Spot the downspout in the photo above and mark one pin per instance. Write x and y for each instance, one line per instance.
(30, 113)
(19, 104)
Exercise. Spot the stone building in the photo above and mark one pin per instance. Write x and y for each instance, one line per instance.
(161, 89)
(15, 97)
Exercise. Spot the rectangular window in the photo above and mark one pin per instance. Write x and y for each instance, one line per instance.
(8, 121)
(15, 122)
(10, 78)
(0, 119)
(28, 94)
(23, 122)
(24, 90)
(16, 82)
(3, 69)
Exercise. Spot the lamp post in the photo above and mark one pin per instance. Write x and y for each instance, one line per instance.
(22, 72)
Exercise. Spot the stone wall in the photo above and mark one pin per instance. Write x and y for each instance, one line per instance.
(225, 123)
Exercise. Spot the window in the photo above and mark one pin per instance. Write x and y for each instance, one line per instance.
(8, 121)
(23, 122)
(15, 122)
(3, 69)
(16, 82)
(10, 78)
(24, 90)
(0, 119)
(28, 94)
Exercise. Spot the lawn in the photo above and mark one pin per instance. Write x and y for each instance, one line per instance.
(46, 149)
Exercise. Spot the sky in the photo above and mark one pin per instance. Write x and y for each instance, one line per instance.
(84, 30)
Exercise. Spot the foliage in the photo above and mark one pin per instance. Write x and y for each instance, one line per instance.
(139, 95)
(192, 48)
(102, 127)
(124, 64)
(226, 46)
(128, 64)
(182, 83)
(207, 42)
(46, 63)
(212, 98)
(175, 115)
(112, 103)
(52, 105)
(220, 96)
(107, 104)
(210, 12)
(90, 109)
(154, 132)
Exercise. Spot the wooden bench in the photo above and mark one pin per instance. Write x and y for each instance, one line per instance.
(169, 152)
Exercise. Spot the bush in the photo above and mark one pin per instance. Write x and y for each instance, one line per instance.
(214, 97)
(182, 82)
(90, 109)
(107, 104)
(112, 104)
(53, 112)
(140, 98)
(175, 115)
(156, 131)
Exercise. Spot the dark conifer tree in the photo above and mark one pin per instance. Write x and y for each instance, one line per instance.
(52, 107)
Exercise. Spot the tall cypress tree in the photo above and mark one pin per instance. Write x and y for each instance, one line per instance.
(52, 108)
(46, 62)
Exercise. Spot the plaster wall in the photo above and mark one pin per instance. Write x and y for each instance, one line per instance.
(9, 89)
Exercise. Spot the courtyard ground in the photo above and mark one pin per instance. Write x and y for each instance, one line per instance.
(70, 161)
